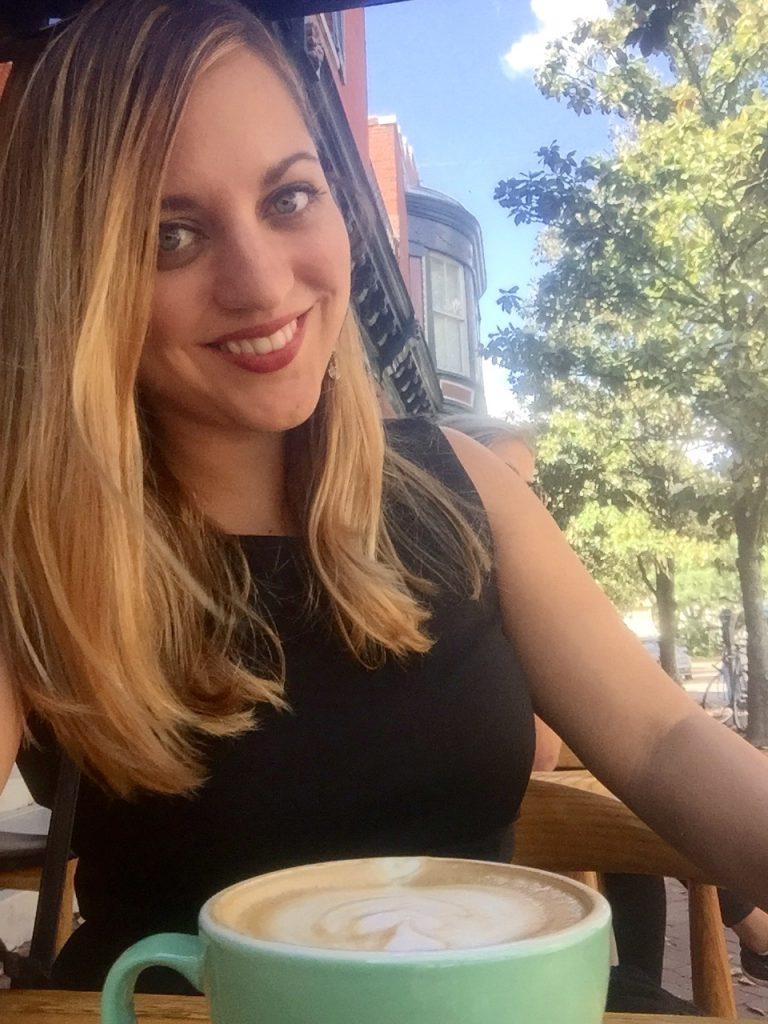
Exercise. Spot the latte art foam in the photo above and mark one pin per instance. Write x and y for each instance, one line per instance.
(403, 920)
(399, 905)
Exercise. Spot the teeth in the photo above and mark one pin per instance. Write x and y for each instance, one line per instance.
(261, 346)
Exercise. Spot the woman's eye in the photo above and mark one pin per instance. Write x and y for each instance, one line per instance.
(175, 238)
(294, 200)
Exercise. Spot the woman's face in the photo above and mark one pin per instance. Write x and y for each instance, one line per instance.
(252, 245)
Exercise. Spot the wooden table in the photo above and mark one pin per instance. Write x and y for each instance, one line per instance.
(83, 1008)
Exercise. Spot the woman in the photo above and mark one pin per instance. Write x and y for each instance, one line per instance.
(197, 542)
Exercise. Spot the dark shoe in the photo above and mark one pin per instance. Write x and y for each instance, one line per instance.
(631, 990)
(754, 966)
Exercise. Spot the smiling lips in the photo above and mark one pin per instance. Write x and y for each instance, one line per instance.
(265, 353)
(262, 345)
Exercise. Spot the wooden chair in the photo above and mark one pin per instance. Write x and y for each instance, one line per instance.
(571, 824)
(568, 760)
(21, 867)
(45, 864)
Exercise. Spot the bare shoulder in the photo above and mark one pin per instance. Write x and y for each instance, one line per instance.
(499, 486)
(464, 446)
(494, 481)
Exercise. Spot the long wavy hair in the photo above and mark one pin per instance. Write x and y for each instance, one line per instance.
(123, 610)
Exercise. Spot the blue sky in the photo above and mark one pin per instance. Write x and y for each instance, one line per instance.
(457, 74)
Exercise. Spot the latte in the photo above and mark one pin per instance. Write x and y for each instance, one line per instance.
(400, 905)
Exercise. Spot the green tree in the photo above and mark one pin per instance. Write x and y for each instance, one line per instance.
(706, 582)
(661, 250)
(653, 21)
(622, 484)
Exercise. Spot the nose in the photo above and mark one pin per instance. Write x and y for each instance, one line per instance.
(254, 272)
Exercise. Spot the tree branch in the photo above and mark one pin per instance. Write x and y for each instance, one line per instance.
(644, 574)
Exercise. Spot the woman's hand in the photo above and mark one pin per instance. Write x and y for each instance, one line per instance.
(697, 784)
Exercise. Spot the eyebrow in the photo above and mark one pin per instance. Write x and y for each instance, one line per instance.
(270, 178)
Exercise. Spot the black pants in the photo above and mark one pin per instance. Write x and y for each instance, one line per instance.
(733, 908)
(631, 991)
(639, 907)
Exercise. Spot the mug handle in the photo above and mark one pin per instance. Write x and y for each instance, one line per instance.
(182, 953)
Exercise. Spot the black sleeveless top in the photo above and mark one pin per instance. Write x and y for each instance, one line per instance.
(430, 757)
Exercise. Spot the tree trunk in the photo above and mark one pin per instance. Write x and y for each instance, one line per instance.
(749, 515)
(667, 607)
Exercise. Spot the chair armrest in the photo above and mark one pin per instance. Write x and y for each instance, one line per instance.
(580, 826)
(20, 850)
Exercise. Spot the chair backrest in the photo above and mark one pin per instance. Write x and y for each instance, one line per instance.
(50, 869)
(570, 824)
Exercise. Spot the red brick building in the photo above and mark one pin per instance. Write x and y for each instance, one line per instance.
(436, 242)
(440, 253)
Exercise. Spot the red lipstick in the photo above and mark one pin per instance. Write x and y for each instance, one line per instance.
(268, 362)
(259, 331)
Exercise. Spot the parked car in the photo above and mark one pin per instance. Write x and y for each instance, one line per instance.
(684, 667)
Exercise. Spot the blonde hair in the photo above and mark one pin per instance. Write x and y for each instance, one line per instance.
(108, 571)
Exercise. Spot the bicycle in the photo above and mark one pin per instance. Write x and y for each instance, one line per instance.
(731, 681)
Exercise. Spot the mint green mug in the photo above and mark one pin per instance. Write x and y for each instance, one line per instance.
(403, 940)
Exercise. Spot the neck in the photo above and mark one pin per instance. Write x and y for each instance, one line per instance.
(237, 479)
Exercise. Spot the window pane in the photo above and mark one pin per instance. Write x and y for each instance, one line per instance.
(454, 297)
(448, 314)
(447, 279)
(437, 276)
(450, 345)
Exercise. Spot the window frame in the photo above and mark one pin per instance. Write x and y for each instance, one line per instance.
(333, 23)
(431, 259)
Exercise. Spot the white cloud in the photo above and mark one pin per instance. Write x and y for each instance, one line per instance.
(555, 19)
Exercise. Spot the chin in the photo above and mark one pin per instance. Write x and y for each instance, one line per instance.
(286, 415)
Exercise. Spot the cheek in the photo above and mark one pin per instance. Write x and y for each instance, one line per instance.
(166, 305)
(176, 309)
(344, 263)
(174, 328)
(327, 256)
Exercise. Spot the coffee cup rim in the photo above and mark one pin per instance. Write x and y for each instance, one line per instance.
(597, 915)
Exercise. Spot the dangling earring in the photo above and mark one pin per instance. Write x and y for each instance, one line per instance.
(333, 371)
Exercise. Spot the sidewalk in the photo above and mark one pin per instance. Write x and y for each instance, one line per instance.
(751, 999)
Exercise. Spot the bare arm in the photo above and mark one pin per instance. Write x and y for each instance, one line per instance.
(10, 724)
(699, 785)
